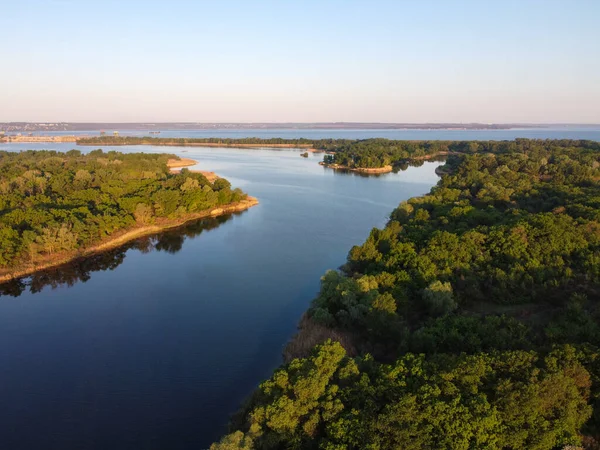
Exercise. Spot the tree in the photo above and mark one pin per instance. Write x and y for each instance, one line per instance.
(143, 213)
(221, 184)
(438, 298)
(233, 441)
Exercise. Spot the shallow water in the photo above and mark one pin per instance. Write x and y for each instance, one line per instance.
(154, 345)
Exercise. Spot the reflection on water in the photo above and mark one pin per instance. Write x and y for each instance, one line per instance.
(131, 350)
(401, 166)
(170, 241)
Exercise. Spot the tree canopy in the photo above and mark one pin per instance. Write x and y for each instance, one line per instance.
(473, 313)
(53, 202)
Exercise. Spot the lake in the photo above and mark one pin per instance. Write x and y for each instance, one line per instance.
(591, 132)
(153, 346)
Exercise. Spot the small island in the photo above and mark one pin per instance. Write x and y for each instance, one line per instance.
(56, 207)
(385, 169)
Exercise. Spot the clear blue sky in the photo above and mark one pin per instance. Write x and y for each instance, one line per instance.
(284, 60)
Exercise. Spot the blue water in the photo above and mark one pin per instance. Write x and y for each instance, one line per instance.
(158, 351)
(153, 346)
(556, 132)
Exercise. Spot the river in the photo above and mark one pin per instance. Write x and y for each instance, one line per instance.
(154, 345)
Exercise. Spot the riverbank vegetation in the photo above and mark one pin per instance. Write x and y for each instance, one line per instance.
(55, 206)
(82, 269)
(470, 321)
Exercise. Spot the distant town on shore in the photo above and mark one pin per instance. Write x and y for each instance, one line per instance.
(8, 127)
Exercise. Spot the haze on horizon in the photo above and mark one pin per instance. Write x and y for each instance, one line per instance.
(527, 61)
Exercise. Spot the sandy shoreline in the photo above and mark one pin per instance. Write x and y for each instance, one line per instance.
(182, 162)
(123, 237)
(175, 166)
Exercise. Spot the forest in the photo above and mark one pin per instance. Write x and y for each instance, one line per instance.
(350, 153)
(470, 321)
(54, 203)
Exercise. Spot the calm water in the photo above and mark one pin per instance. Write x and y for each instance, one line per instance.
(154, 345)
(562, 132)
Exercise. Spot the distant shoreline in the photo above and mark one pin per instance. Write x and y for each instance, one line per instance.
(121, 238)
(35, 139)
(182, 126)
(89, 141)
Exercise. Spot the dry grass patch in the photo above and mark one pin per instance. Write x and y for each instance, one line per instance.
(310, 334)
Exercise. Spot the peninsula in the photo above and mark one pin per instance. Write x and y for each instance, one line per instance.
(56, 207)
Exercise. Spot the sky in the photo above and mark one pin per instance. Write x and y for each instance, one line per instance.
(493, 61)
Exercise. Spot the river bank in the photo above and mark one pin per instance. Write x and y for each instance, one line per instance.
(121, 238)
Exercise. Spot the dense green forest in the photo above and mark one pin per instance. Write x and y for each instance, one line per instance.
(471, 320)
(374, 153)
(52, 202)
(352, 153)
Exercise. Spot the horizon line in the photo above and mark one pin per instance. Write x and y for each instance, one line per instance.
(146, 122)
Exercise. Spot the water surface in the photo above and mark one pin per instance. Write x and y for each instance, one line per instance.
(154, 345)
(550, 132)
